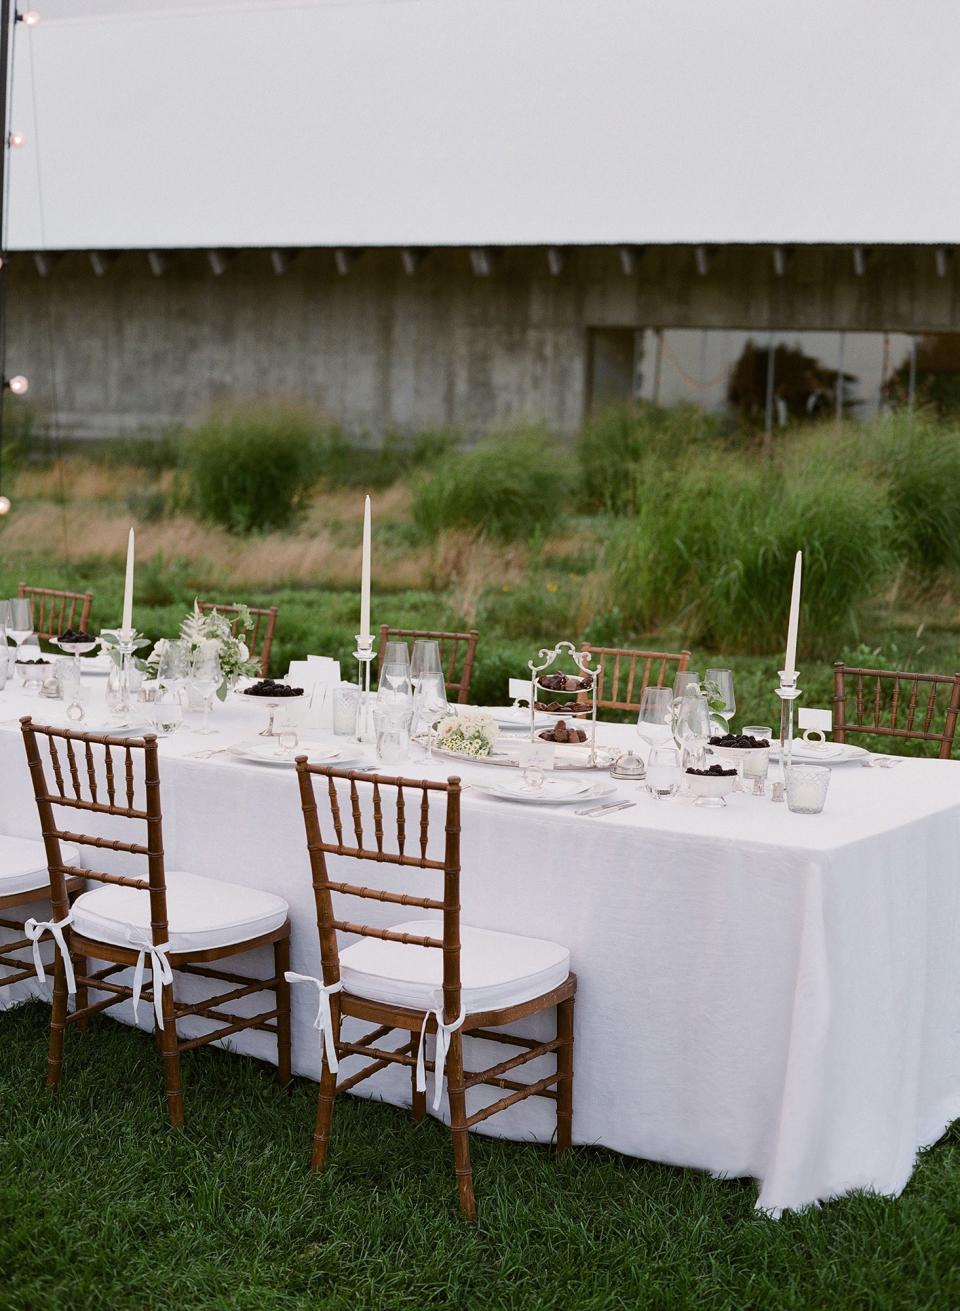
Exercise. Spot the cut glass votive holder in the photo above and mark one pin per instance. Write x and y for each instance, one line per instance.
(807, 788)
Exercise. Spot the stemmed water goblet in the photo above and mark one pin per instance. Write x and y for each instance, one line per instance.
(205, 678)
(691, 728)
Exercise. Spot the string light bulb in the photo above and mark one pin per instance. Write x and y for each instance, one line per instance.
(19, 385)
(30, 18)
(4, 505)
(16, 139)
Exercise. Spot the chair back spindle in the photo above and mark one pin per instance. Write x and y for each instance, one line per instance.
(624, 674)
(71, 762)
(893, 703)
(259, 638)
(458, 653)
(314, 779)
(54, 611)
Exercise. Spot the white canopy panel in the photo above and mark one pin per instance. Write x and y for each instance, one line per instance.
(484, 122)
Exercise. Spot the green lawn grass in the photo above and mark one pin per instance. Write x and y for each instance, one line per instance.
(105, 1209)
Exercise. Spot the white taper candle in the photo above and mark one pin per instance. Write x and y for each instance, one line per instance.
(790, 665)
(365, 573)
(126, 624)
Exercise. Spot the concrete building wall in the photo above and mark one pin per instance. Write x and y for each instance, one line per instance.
(377, 347)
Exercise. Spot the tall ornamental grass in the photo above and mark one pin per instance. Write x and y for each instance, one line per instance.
(252, 470)
(621, 448)
(509, 487)
(711, 552)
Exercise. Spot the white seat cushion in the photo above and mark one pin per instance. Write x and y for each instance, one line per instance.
(23, 865)
(496, 969)
(202, 913)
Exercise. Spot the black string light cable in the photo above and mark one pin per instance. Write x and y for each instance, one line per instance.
(9, 140)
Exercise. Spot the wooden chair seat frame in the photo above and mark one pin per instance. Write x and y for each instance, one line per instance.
(389, 1019)
(614, 662)
(456, 678)
(260, 638)
(75, 773)
(913, 698)
(54, 610)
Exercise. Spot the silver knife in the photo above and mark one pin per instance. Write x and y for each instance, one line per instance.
(608, 809)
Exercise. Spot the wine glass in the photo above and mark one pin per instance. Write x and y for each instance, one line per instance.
(656, 709)
(394, 685)
(20, 624)
(719, 687)
(683, 681)
(425, 659)
(205, 678)
(394, 667)
(429, 702)
(664, 775)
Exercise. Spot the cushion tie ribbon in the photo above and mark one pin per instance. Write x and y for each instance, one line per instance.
(444, 1033)
(160, 968)
(35, 929)
(324, 1021)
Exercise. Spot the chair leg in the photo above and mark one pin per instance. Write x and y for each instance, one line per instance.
(80, 967)
(458, 1127)
(565, 1070)
(326, 1096)
(281, 961)
(418, 1100)
(167, 1037)
(58, 1023)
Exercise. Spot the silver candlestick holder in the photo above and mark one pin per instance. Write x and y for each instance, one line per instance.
(365, 656)
(788, 693)
(127, 643)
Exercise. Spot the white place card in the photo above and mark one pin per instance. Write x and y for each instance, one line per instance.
(808, 717)
(541, 754)
(518, 688)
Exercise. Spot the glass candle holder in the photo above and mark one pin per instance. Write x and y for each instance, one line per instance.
(346, 702)
(807, 788)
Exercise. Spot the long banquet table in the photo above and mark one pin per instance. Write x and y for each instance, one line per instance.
(760, 993)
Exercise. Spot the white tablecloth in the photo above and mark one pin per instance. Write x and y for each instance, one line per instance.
(760, 993)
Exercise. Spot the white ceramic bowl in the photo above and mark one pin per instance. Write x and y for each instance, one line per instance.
(711, 785)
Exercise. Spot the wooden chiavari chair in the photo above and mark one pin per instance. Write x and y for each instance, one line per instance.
(890, 703)
(428, 974)
(624, 673)
(24, 881)
(454, 648)
(259, 638)
(55, 611)
(169, 920)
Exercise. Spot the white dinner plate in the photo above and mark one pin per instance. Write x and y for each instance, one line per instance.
(267, 752)
(827, 753)
(555, 791)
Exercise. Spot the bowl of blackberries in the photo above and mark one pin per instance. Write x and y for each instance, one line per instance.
(712, 782)
(33, 669)
(752, 754)
(76, 642)
(267, 690)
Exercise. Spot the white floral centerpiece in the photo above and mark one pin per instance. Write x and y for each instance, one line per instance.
(197, 627)
(469, 734)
